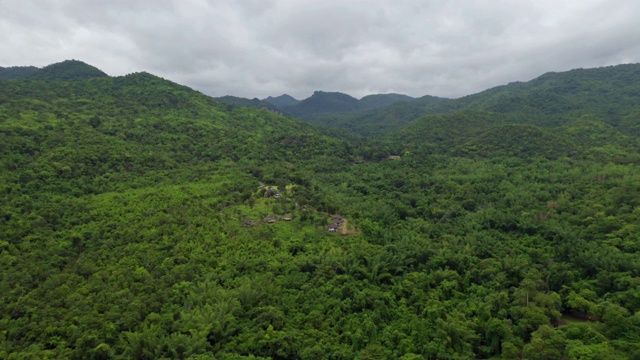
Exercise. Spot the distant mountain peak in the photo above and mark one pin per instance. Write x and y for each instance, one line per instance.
(68, 70)
(282, 101)
(325, 102)
(377, 101)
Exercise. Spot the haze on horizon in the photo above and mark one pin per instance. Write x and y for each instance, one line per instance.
(258, 48)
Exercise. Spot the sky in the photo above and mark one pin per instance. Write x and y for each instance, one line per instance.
(257, 48)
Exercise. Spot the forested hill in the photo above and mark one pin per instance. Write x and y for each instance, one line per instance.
(609, 92)
(117, 192)
(255, 102)
(379, 121)
(140, 219)
(282, 101)
(17, 72)
(377, 101)
(65, 131)
(322, 103)
(62, 71)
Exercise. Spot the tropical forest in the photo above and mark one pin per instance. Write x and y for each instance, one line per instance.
(141, 219)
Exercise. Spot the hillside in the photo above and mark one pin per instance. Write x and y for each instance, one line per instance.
(549, 100)
(165, 124)
(67, 70)
(17, 72)
(102, 172)
(142, 219)
(63, 71)
(242, 102)
(377, 101)
(322, 107)
(378, 122)
(609, 91)
(324, 102)
(282, 101)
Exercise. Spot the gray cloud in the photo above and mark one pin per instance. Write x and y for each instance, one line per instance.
(256, 48)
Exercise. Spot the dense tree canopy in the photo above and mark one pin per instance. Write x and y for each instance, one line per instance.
(138, 220)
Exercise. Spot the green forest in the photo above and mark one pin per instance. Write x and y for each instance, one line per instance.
(140, 219)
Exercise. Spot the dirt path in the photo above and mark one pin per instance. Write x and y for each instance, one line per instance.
(344, 227)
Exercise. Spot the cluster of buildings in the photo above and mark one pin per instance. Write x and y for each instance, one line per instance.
(335, 223)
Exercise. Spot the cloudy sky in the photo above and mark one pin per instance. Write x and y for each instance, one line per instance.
(256, 48)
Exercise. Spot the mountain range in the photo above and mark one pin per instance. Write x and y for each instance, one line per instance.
(142, 219)
(321, 103)
(568, 93)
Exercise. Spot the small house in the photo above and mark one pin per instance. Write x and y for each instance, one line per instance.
(270, 219)
(270, 192)
(277, 196)
(333, 228)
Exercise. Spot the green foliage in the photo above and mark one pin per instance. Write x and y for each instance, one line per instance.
(550, 100)
(134, 224)
(66, 71)
(237, 101)
(17, 72)
(386, 117)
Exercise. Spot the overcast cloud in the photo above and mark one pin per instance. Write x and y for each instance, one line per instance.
(256, 48)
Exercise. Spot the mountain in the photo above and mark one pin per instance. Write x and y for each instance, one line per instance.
(142, 219)
(610, 92)
(243, 102)
(485, 134)
(321, 106)
(377, 101)
(137, 111)
(112, 178)
(63, 71)
(17, 72)
(282, 101)
(379, 121)
(558, 114)
(324, 102)
(68, 70)
(552, 94)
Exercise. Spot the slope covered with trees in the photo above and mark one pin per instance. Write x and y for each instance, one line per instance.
(137, 221)
(282, 101)
(326, 104)
(610, 93)
(64, 71)
(242, 102)
(67, 70)
(17, 72)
